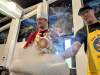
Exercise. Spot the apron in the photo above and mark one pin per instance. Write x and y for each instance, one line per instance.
(93, 52)
(44, 43)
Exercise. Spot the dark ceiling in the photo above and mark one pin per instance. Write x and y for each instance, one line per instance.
(26, 3)
(87, 1)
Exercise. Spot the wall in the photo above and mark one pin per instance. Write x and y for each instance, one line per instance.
(2, 53)
(81, 60)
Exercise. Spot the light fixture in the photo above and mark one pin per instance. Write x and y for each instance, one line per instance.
(11, 5)
(10, 8)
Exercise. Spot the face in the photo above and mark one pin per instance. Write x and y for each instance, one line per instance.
(42, 23)
(88, 16)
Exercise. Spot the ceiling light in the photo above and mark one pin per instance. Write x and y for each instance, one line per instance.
(11, 5)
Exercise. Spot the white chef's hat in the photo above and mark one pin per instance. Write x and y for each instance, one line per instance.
(42, 10)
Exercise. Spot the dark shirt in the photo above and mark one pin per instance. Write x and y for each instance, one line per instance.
(81, 34)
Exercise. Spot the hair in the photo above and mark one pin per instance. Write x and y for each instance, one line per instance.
(81, 10)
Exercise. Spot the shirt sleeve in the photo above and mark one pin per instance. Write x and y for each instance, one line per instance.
(80, 36)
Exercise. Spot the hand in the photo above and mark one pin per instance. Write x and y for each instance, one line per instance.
(63, 56)
(40, 52)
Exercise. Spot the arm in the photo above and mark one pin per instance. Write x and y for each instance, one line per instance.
(72, 50)
(80, 37)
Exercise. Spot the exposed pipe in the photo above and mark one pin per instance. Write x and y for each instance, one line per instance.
(51, 1)
(4, 27)
(30, 14)
(4, 19)
(23, 18)
(29, 9)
